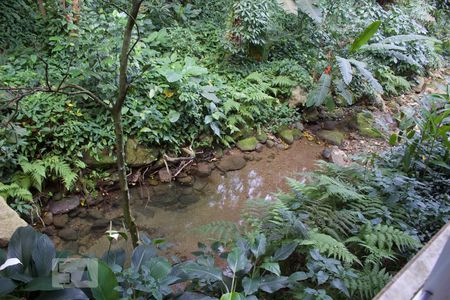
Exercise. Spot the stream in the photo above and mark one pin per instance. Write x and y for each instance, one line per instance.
(172, 211)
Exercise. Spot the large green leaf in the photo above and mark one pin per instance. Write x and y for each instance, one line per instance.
(196, 271)
(159, 267)
(272, 267)
(174, 116)
(346, 69)
(259, 247)
(21, 246)
(237, 260)
(365, 36)
(250, 285)
(232, 296)
(318, 95)
(141, 254)
(106, 279)
(284, 251)
(43, 254)
(272, 283)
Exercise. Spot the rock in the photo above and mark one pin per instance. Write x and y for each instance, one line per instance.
(282, 147)
(334, 137)
(100, 224)
(74, 213)
(299, 126)
(47, 218)
(60, 221)
(65, 205)
(365, 123)
(330, 125)
(270, 144)
(232, 163)
(259, 147)
(153, 182)
(49, 230)
(338, 157)
(420, 84)
(9, 222)
(188, 199)
(95, 214)
(262, 137)
(379, 103)
(297, 133)
(311, 115)
(326, 153)
(202, 169)
(218, 152)
(248, 144)
(68, 234)
(298, 97)
(72, 247)
(164, 175)
(287, 136)
(186, 180)
(101, 160)
(138, 155)
(249, 157)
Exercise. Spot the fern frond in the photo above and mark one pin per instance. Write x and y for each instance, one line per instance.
(223, 231)
(407, 38)
(330, 246)
(15, 191)
(404, 57)
(367, 283)
(37, 171)
(382, 47)
(255, 77)
(346, 69)
(62, 170)
(283, 81)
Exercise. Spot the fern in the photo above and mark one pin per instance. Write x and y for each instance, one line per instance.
(15, 191)
(404, 57)
(36, 170)
(62, 170)
(283, 81)
(367, 283)
(255, 77)
(407, 38)
(332, 247)
(346, 69)
(223, 231)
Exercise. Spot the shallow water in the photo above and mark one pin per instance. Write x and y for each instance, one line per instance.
(172, 211)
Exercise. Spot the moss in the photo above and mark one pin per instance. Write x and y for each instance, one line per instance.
(365, 125)
(248, 144)
(287, 136)
(334, 137)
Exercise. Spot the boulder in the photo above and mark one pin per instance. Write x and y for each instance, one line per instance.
(9, 222)
(333, 137)
(297, 133)
(47, 218)
(186, 180)
(336, 156)
(164, 175)
(287, 136)
(365, 123)
(298, 97)
(299, 125)
(104, 159)
(270, 144)
(65, 205)
(60, 221)
(138, 155)
(68, 234)
(248, 144)
(232, 163)
(259, 147)
(202, 169)
(262, 137)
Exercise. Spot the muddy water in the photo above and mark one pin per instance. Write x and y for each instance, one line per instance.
(173, 211)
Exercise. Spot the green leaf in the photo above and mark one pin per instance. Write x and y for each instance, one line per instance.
(346, 69)
(237, 261)
(259, 248)
(231, 296)
(174, 116)
(318, 95)
(141, 254)
(284, 251)
(43, 254)
(298, 276)
(272, 283)
(250, 285)
(196, 271)
(393, 139)
(173, 76)
(159, 268)
(365, 36)
(22, 244)
(272, 267)
(106, 279)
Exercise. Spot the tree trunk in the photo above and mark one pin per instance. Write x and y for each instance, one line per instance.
(42, 7)
(76, 11)
(117, 116)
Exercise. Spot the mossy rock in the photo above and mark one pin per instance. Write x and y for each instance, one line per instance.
(365, 123)
(333, 137)
(139, 155)
(248, 144)
(287, 136)
(262, 137)
(297, 133)
(100, 160)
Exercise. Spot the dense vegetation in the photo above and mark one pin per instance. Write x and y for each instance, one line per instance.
(202, 74)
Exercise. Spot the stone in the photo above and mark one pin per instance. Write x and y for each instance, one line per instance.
(329, 125)
(218, 152)
(282, 146)
(259, 147)
(270, 144)
(420, 82)
(153, 182)
(65, 205)
(286, 136)
(102, 159)
(49, 230)
(188, 199)
(95, 214)
(100, 224)
(202, 169)
(248, 144)
(68, 234)
(232, 163)
(365, 123)
(333, 137)
(60, 221)
(139, 155)
(311, 115)
(297, 133)
(186, 180)
(338, 157)
(298, 97)
(9, 222)
(299, 125)
(164, 175)
(249, 157)
(326, 153)
(47, 218)
(74, 213)
(262, 137)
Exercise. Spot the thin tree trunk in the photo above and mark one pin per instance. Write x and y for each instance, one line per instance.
(42, 7)
(76, 11)
(117, 116)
